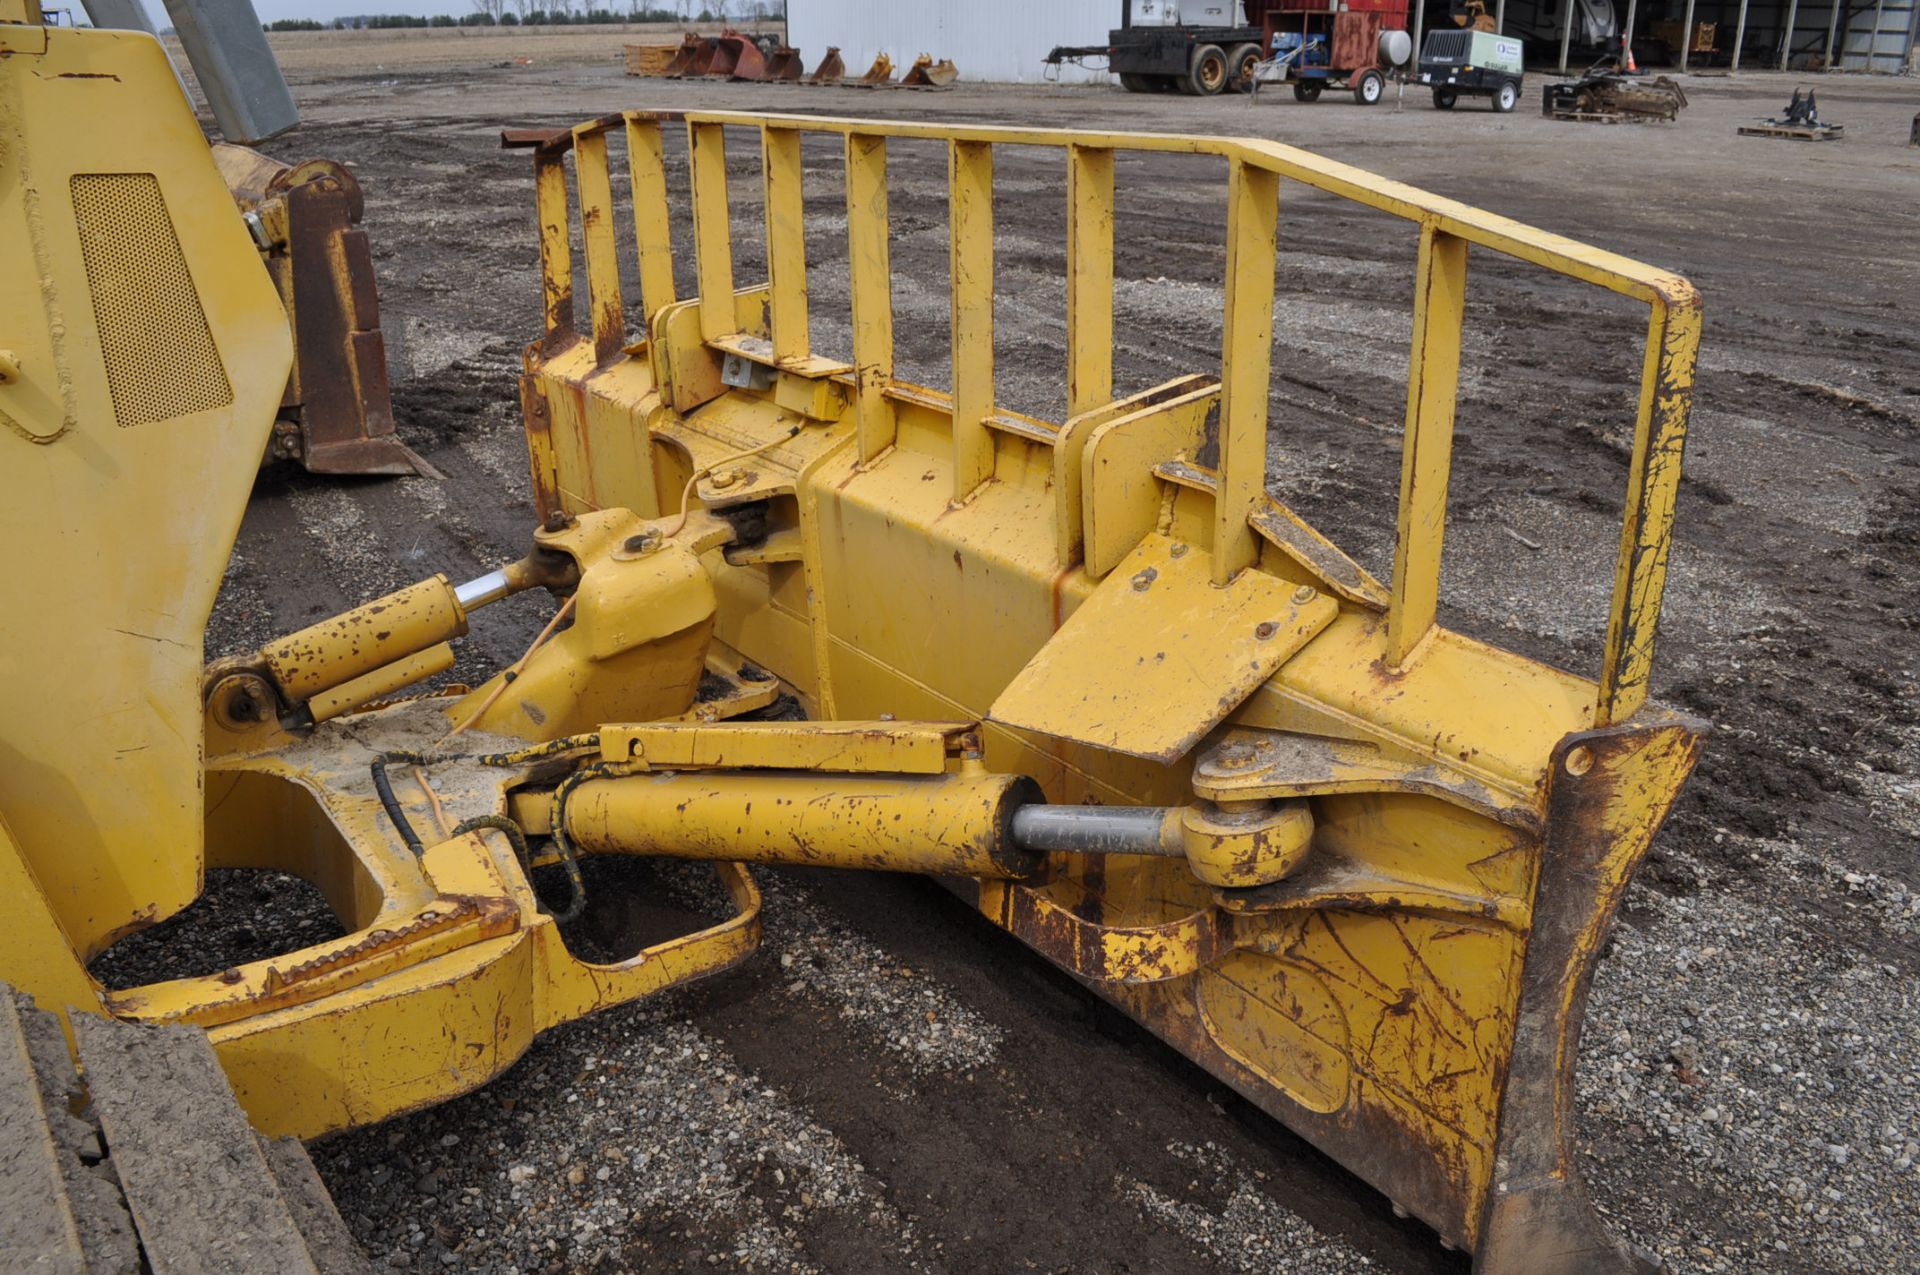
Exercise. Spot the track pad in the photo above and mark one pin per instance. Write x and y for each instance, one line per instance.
(1160, 655)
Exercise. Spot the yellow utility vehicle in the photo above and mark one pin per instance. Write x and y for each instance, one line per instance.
(1086, 671)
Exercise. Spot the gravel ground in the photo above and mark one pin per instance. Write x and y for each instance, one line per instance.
(891, 1085)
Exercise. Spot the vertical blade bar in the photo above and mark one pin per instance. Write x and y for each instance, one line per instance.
(604, 304)
(1653, 484)
(970, 210)
(786, 242)
(871, 290)
(652, 219)
(556, 245)
(1426, 458)
(1246, 364)
(712, 231)
(1089, 278)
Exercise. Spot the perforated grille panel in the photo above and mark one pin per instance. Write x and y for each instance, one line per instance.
(160, 356)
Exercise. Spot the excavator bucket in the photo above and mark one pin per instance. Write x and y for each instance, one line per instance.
(737, 57)
(1086, 671)
(337, 414)
(831, 69)
(692, 58)
(784, 64)
(1358, 866)
(925, 73)
(880, 74)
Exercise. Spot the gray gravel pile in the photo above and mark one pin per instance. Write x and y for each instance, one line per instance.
(1230, 1218)
(925, 1025)
(624, 1127)
(1745, 1075)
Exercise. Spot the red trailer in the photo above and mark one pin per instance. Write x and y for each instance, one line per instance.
(1333, 43)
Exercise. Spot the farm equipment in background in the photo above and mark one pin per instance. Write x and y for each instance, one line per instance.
(1800, 122)
(1471, 14)
(831, 69)
(1121, 699)
(1606, 95)
(1472, 63)
(925, 73)
(1353, 48)
(737, 57)
(337, 414)
(783, 64)
(1197, 47)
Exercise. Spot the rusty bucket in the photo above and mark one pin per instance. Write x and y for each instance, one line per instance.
(694, 52)
(737, 57)
(831, 69)
(784, 64)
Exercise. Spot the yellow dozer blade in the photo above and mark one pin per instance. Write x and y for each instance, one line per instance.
(1356, 865)
(1376, 859)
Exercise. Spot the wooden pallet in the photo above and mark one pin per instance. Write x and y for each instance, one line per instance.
(1591, 117)
(1794, 132)
(148, 1164)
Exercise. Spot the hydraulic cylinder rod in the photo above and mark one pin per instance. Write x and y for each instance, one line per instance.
(356, 643)
(1100, 829)
(957, 823)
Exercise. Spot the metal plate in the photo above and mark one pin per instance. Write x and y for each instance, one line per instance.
(1159, 655)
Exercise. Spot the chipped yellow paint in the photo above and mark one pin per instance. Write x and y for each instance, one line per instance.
(1403, 846)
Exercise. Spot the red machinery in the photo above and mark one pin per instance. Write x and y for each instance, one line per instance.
(1332, 43)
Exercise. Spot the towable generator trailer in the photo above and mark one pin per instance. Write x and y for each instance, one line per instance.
(1197, 47)
(1457, 64)
(1343, 44)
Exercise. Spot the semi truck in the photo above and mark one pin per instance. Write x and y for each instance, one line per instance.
(1201, 47)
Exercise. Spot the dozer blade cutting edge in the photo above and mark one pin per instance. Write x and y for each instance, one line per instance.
(1358, 866)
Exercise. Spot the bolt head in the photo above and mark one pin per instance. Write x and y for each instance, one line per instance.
(1305, 594)
(1265, 629)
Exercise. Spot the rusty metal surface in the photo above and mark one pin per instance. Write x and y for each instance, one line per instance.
(1609, 793)
(693, 57)
(784, 64)
(337, 415)
(737, 57)
(831, 70)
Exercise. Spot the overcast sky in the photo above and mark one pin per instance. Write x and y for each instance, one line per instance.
(324, 10)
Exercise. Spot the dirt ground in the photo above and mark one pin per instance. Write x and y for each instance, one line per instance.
(895, 1085)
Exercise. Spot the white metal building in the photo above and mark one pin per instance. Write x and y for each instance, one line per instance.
(998, 40)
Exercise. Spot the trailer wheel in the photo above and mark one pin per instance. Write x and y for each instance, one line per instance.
(1369, 88)
(1306, 90)
(1208, 73)
(1506, 96)
(1241, 60)
(1444, 97)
